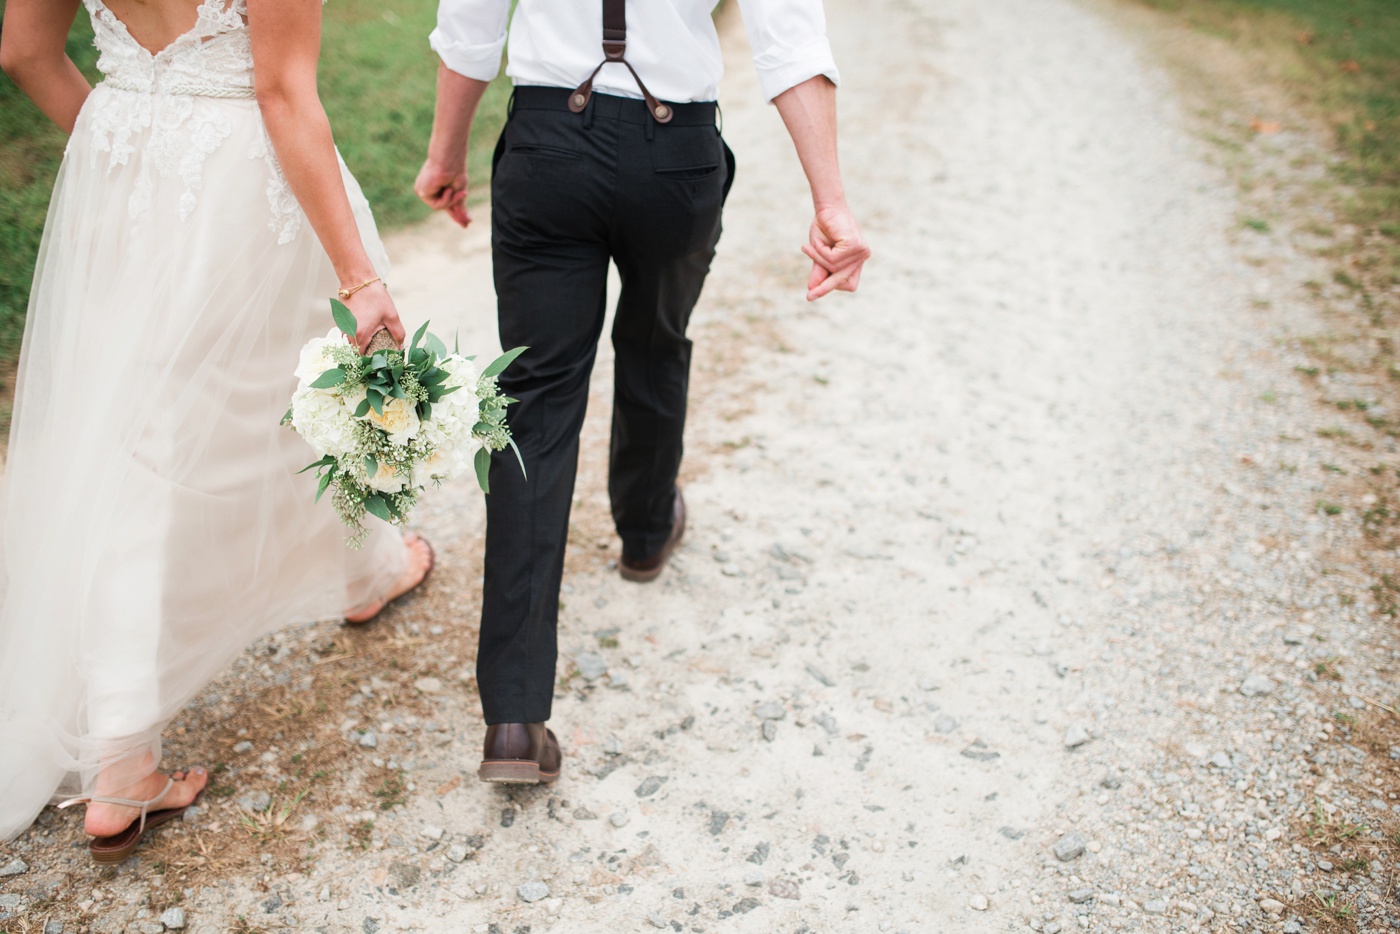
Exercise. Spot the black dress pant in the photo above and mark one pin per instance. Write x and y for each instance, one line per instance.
(569, 194)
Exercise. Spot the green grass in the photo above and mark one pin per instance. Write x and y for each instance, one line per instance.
(1338, 60)
(377, 81)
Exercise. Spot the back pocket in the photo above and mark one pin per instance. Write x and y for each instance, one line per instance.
(553, 152)
(689, 173)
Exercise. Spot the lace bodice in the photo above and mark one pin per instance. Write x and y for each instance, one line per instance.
(213, 56)
(175, 105)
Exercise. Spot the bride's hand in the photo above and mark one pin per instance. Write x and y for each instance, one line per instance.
(374, 310)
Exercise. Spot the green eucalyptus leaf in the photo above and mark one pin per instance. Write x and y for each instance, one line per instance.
(436, 345)
(375, 506)
(500, 363)
(521, 460)
(376, 400)
(326, 480)
(332, 377)
(362, 409)
(371, 465)
(418, 335)
(344, 319)
(482, 463)
(328, 460)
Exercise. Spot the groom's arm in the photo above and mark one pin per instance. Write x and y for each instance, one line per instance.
(469, 38)
(834, 244)
(797, 73)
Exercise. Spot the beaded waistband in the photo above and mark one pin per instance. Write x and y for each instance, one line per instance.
(184, 90)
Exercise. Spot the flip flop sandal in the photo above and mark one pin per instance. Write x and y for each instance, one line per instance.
(427, 572)
(119, 846)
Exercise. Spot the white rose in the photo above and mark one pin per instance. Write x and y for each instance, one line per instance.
(399, 418)
(386, 480)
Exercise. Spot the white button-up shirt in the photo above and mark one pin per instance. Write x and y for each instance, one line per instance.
(672, 44)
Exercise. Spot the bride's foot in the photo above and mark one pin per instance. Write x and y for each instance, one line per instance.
(105, 820)
(417, 567)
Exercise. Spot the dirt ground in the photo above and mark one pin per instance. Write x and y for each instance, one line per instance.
(1010, 598)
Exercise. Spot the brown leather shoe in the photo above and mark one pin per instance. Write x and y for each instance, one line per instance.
(642, 570)
(520, 754)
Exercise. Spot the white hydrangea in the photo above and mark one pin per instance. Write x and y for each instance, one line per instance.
(315, 356)
(322, 418)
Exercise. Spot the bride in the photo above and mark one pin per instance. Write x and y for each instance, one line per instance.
(153, 522)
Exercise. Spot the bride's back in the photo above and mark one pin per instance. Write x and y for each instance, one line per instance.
(155, 24)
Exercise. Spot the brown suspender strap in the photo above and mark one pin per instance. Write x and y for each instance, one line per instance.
(615, 50)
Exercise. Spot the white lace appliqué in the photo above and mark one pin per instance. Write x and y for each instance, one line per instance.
(178, 99)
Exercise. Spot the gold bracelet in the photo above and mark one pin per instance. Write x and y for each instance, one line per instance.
(345, 294)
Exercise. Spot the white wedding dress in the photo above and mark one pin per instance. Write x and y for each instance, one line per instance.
(153, 521)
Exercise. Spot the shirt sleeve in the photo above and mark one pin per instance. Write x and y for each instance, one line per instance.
(470, 35)
(789, 43)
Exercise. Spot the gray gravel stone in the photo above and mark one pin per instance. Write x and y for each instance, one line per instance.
(13, 868)
(618, 818)
(242, 747)
(1070, 846)
(257, 801)
(979, 752)
(457, 853)
(944, 724)
(1077, 735)
(650, 785)
(770, 711)
(1221, 760)
(405, 875)
(369, 740)
(1081, 896)
(770, 730)
(53, 927)
(591, 666)
(173, 919)
(784, 887)
(816, 673)
(532, 891)
(1256, 686)
(656, 920)
(1155, 906)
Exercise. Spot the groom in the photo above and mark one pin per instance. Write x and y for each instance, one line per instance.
(611, 154)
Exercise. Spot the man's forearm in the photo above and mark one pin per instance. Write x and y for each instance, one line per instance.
(809, 112)
(457, 99)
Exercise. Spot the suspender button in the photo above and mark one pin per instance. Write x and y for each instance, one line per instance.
(661, 111)
(579, 100)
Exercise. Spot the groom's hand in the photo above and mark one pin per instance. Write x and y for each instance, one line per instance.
(838, 252)
(444, 189)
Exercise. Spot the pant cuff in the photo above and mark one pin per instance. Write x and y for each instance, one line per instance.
(516, 708)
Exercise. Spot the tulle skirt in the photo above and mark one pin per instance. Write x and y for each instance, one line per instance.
(153, 520)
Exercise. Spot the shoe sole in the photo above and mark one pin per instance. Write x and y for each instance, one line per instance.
(118, 847)
(514, 772)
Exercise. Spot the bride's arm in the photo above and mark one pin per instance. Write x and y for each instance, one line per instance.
(286, 37)
(32, 54)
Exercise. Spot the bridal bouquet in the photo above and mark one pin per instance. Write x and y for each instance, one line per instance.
(387, 422)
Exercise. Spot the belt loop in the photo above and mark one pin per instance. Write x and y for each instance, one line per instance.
(588, 111)
(650, 128)
(510, 104)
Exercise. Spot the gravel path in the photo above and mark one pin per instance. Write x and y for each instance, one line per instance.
(1003, 606)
